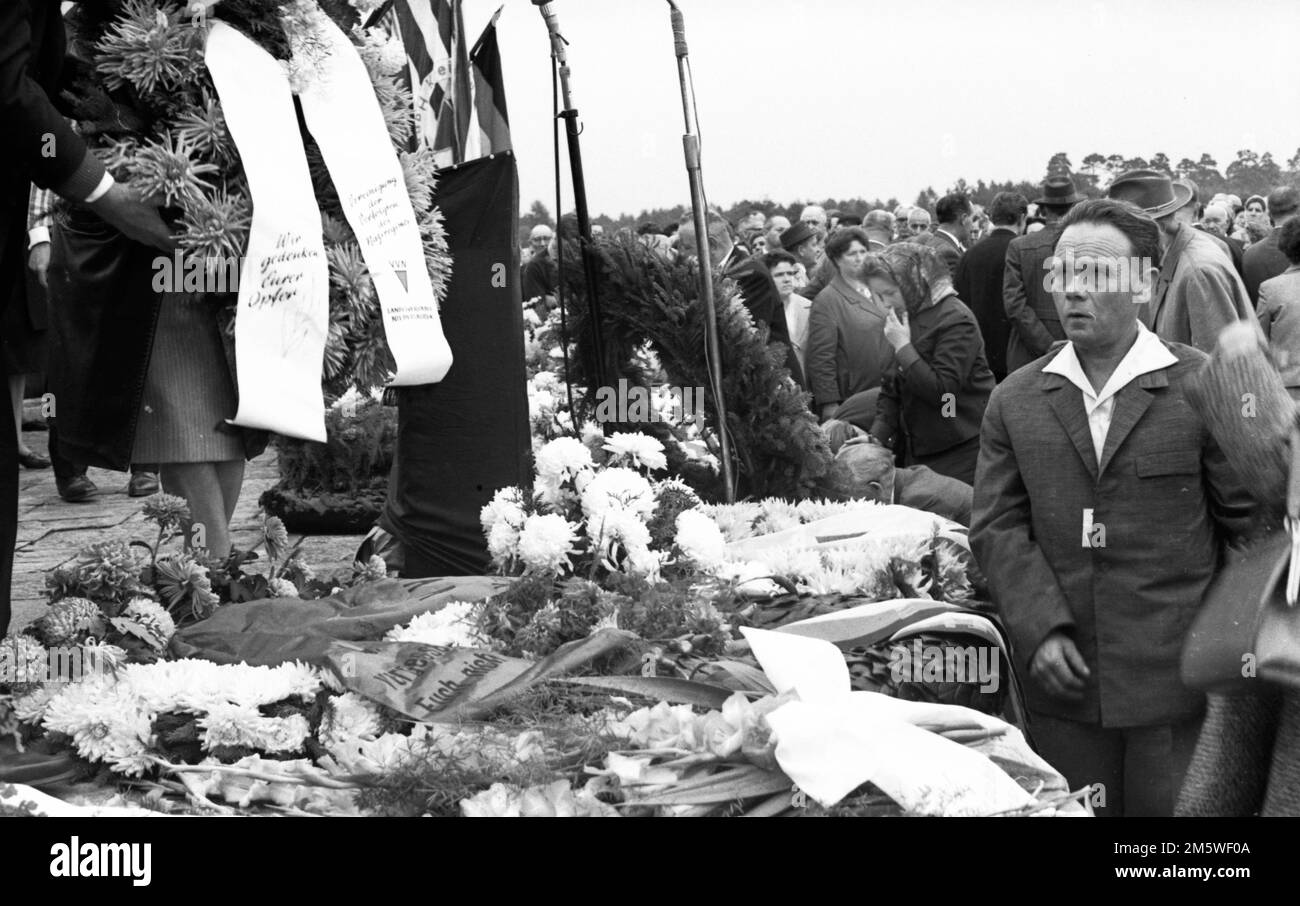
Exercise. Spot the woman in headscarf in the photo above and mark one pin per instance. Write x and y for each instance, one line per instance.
(933, 398)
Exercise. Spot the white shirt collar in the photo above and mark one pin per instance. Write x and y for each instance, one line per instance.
(955, 240)
(1147, 354)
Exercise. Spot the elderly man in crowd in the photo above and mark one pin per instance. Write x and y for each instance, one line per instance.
(815, 216)
(541, 273)
(879, 227)
(918, 225)
(864, 470)
(1025, 294)
(1101, 505)
(1263, 260)
(1199, 292)
(981, 272)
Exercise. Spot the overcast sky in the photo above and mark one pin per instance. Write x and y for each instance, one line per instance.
(815, 98)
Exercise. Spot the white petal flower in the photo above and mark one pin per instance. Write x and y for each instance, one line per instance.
(635, 449)
(546, 543)
(618, 488)
(455, 624)
(699, 538)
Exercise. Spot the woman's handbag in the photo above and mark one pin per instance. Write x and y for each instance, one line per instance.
(1248, 628)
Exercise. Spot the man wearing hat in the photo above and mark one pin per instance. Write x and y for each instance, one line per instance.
(1026, 296)
(1199, 292)
(807, 244)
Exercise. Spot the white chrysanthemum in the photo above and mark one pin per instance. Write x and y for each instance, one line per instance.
(736, 520)
(454, 624)
(546, 543)
(562, 460)
(503, 542)
(196, 685)
(22, 660)
(699, 538)
(617, 488)
(282, 588)
(637, 450)
(778, 515)
(153, 615)
(350, 716)
(593, 438)
(242, 726)
(106, 723)
(619, 526)
(380, 755)
(507, 504)
(30, 706)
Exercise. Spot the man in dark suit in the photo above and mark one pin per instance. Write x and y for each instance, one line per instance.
(980, 276)
(1025, 296)
(1263, 261)
(1101, 506)
(40, 147)
(950, 236)
(757, 289)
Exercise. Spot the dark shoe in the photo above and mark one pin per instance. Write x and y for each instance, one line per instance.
(33, 461)
(143, 484)
(75, 490)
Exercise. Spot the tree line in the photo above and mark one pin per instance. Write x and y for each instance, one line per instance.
(1251, 173)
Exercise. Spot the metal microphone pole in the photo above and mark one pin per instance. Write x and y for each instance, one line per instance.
(570, 116)
(691, 144)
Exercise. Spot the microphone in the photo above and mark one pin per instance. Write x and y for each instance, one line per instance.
(548, 14)
(679, 29)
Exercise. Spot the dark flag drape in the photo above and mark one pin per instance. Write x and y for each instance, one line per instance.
(461, 440)
(490, 92)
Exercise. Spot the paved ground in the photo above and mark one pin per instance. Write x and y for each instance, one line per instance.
(51, 531)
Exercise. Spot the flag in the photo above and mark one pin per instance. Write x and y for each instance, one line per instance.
(433, 33)
(492, 121)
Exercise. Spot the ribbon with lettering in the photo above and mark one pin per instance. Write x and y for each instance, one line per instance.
(343, 116)
(283, 313)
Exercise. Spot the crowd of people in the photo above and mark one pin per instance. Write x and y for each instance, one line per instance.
(1024, 370)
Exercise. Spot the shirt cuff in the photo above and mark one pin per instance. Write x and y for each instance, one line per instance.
(907, 356)
(37, 235)
(84, 181)
(101, 190)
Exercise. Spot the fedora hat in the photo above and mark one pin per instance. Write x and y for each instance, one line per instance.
(797, 235)
(1154, 192)
(1059, 190)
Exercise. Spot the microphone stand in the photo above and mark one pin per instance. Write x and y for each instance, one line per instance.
(691, 145)
(570, 116)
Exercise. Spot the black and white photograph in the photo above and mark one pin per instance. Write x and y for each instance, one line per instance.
(650, 408)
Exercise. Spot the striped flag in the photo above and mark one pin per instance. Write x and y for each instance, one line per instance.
(433, 32)
(493, 126)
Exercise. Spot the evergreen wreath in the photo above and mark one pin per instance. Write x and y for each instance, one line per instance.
(779, 448)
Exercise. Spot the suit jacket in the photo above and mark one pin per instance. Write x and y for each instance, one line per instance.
(847, 351)
(979, 284)
(1279, 316)
(759, 293)
(1262, 261)
(934, 396)
(1198, 292)
(921, 488)
(1031, 313)
(39, 145)
(948, 251)
(1166, 498)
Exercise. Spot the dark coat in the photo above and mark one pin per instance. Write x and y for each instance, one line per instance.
(1031, 313)
(1167, 498)
(934, 396)
(948, 251)
(847, 351)
(1262, 261)
(760, 295)
(979, 284)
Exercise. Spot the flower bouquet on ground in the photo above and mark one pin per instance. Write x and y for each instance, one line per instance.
(337, 487)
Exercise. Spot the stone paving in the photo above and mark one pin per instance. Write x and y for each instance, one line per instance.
(51, 531)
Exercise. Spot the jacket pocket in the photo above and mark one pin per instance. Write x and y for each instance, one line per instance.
(1174, 462)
